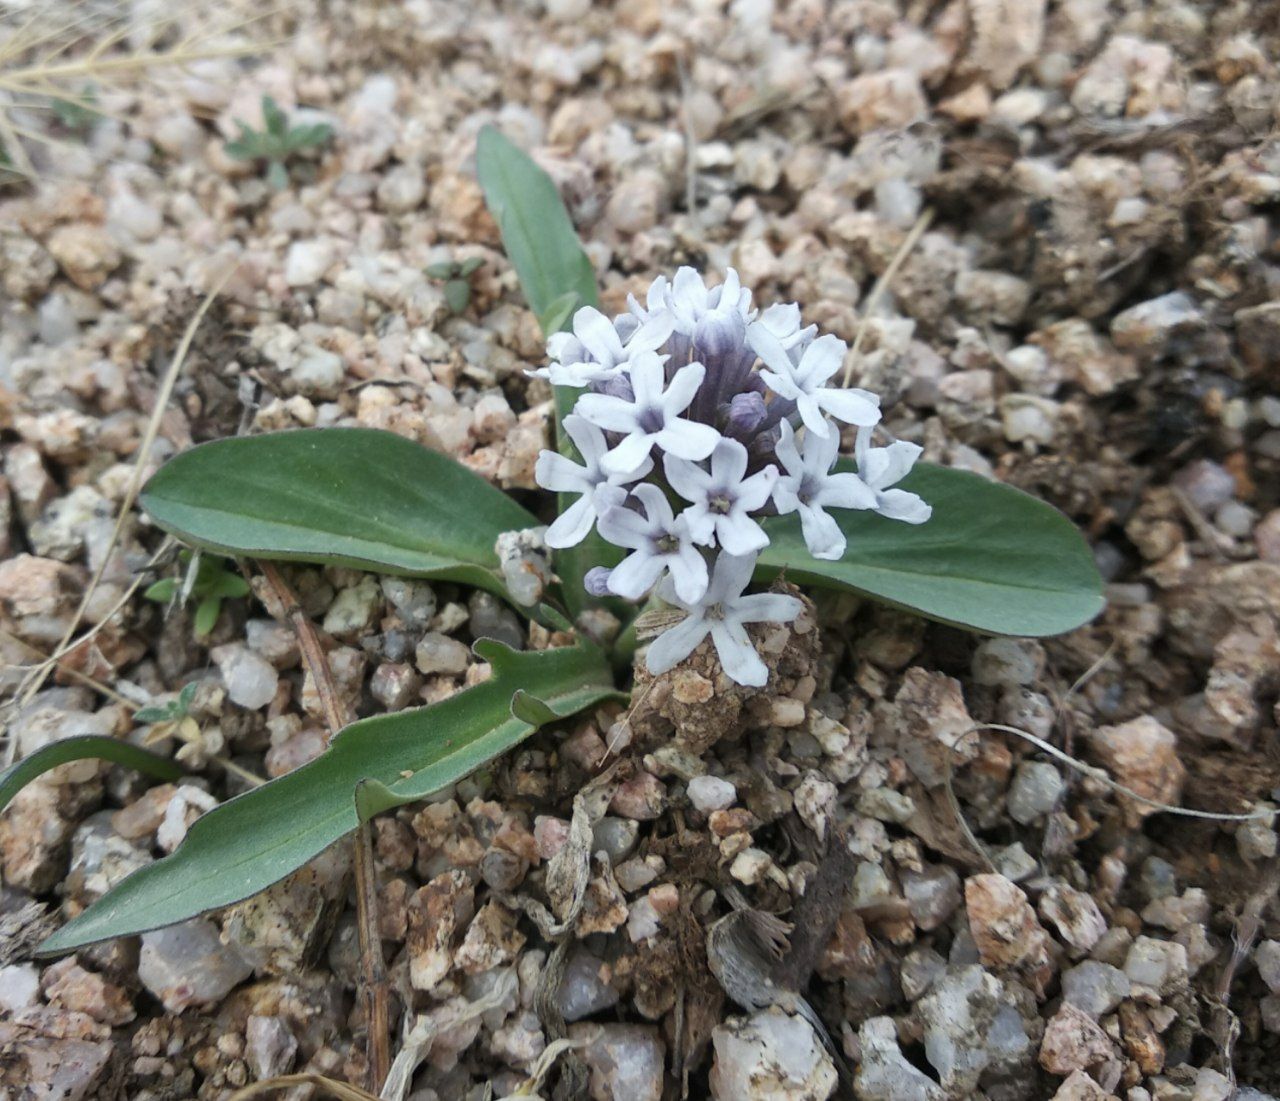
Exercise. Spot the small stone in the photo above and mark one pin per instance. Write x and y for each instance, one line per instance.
(1207, 484)
(886, 805)
(307, 261)
(968, 1026)
(1212, 1086)
(402, 189)
(491, 618)
(1036, 788)
(19, 987)
(1266, 536)
(1008, 662)
(1003, 924)
(921, 968)
(815, 802)
(1148, 327)
(994, 296)
(414, 601)
(1006, 37)
(586, 988)
(1074, 914)
(85, 252)
(1174, 912)
(355, 609)
(1142, 754)
(623, 1060)
(884, 1073)
(1080, 1087)
(318, 374)
(890, 99)
(1073, 1041)
(770, 1056)
(438, 653)
(188, 965)
(270, 1047)
(1158, 965)
(1095, 987)
(933, 895)
(1266, 957)
(436, 913)
(617, 837)
(642, 798)
(1029, 418)
(394, 685)
(250, 682)
(708, 793)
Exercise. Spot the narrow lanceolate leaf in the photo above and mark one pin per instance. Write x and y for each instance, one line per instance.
(991, 558)
(346, 496)
(557, 279)
(536, 230)
(247, 844)
(14, 778)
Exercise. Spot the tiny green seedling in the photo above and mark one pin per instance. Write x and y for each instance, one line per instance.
(278, 142)
(208, 581)
(77, 115)
(456, 277)
(171, 719)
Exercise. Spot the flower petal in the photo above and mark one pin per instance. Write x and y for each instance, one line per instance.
(587, 438)
(687, 439)
(762, 341)
(624, 527)
(739, 534)
(738, 656)
(607, 412)
(628, 456)
(822, 359)
(561, 474)
(898, 504)
(647, 377)
(845, 490)
(899, 457)
(676, 643)
(782, 385)
(732, 575)
(686, 478)
(598, 335)
(822, 535)
(572, 526)
(811, 414)
(636, 574)
(688, 573)
(728, 463)
(858, 407)
(753, 492)
(683, 388)
(767, 608)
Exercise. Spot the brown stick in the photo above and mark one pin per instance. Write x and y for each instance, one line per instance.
(377, 990)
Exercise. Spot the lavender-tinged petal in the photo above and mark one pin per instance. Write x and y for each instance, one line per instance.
(686, 478)
(822, 535)
(625, 459)
(688, 573)
(812, 416)
(647, 378)
(598, 335)
(845, 490)
(625, 527)
(561, 474)
(738, 657)
(782, 385)
(656, 506)
(652, 333)
(786, 497)
(687, 439)
(769, 348)
(753, 492)
(732, 574)
(739, 534)
(767, 608)
(573, 525)
(787, 451)
(636, 574)
(700, 524)
(898, 504)
(587, 438)
(684, 385)
(851, 406)
(895, 463)
(607, 412)
(728, 463)
(676, 643)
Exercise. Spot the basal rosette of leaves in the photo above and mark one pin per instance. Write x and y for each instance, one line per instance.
(697, 457)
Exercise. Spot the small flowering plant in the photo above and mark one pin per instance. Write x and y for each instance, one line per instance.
(701, 416)
(698, 455)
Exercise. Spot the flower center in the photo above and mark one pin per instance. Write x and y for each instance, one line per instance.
(720, 503)
(652, 419)
(666, 544)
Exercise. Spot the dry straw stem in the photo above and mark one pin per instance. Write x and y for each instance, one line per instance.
(33, 682)
(882, 285)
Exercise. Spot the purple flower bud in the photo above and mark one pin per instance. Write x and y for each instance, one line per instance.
(619, 387)
(596, 581)
(746, 413)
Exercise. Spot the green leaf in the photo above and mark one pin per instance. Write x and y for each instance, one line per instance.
(991, 558)
(161, 591)
(277, 175)
(443, 269)
(275, 119)
(206, 615)
(344, 496)
(558, 316)
(470, 266)
(457, 294)
(228, 586)
(536, 230)
(257, 838)
(17, 776)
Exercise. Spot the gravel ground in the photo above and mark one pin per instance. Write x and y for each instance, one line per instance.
(1090, 315)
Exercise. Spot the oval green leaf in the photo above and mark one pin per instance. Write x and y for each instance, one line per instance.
(259, 837)
(17, 776)
(991, 557)
(344, 496)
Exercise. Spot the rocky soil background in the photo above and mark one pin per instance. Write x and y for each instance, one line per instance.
(1092, 314)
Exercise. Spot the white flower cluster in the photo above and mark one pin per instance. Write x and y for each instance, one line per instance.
(699, 399)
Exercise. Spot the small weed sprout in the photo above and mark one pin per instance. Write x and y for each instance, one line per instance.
(278, 143)
(456, 277)
(77, 115)
(208, 581)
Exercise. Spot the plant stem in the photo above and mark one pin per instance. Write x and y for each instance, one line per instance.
(377, 993)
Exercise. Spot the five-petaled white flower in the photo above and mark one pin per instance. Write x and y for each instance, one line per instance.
(653, 417)
(882, 467)
(723, 499)
(722, 614)
(561, 474)
(692, 304)
(598, 349)
(802, 381)
(809, 488)
(660, 542)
